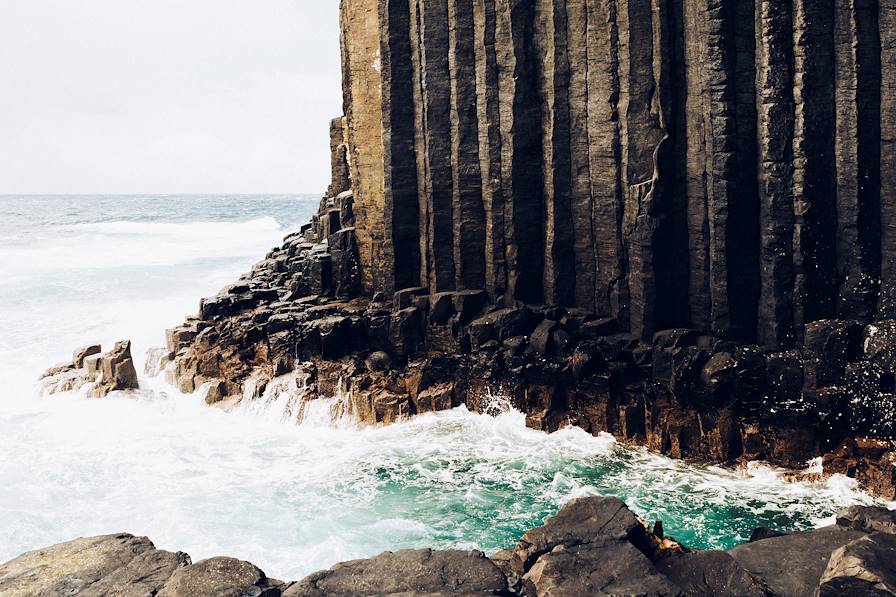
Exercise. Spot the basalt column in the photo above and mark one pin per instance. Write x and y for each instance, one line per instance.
(604, 137)
(488, 111)
(401, 206)
(550, 42)
(468, 206)
(887, 27)
(814, 175)
(774, 100)
(647, 158)
(521, 149)
(434, 141)
(858, 154)
(362, 88)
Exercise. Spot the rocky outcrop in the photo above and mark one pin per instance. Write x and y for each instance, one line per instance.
(682, 392)
(103, 372)
(594, 546)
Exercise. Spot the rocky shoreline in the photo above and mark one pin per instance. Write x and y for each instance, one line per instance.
(682, 393)
(594, 546)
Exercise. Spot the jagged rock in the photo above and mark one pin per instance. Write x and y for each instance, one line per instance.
(73, 567)
(411, 572)
(793, 564)
(83, 353)
(864, 567)
(868, 519)
(117, 372)
(541, 339)
(606, 568)
(145, 575)
(581, 521)
(710, 573)
(219, 577)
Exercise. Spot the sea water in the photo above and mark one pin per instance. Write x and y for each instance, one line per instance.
(292, 498)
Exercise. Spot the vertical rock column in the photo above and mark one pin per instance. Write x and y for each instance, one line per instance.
(585, 273)
(488, 112)
(696, 165)
(468, 207)
(521, 151)
(887, 306)
(646, 154)
(401, 208)
(550, 42)
(814, 177)
(605, 157)
(858, 154)
(774, 100)
(434, 141)
(362, 84)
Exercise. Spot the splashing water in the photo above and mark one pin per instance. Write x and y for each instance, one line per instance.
(287, 480)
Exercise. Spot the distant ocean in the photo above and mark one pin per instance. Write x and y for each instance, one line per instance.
(290, 498)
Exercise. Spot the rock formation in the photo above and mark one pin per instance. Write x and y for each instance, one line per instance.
(594, 546)
(104, 372)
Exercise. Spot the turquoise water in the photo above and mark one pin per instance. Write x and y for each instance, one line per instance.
(292, 498)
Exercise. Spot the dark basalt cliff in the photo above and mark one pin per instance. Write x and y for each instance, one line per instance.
(723, 165)
(670, 221)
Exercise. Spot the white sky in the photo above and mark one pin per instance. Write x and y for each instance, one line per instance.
(167, 96)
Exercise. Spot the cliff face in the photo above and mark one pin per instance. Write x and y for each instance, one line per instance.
(714, 164)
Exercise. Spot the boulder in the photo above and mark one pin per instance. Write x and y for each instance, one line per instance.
(868, 519)
(219, 577)
(710, 573)
(792, 565)
(378, 362)
(864, 567)
(581, 521)
(68, 568)
(540, 341)
(597, 569)
(410, 572)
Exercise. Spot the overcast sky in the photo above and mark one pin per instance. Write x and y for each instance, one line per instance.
(167, 96)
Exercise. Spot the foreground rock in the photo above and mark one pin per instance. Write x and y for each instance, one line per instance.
(104, 372)
(412, 572)
(594, 547)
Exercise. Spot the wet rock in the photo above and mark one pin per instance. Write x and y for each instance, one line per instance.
(541, 340)
(600, 569)
(864, 567)
(411, 572)
(219, 577)
(117, 371)
(710, 574)
(435, 399)
(84, 352)
(793, 564)
(719, 374)
(501, 325)
(378, 362)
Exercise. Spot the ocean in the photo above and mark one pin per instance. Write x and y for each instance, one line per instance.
(291, 498)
